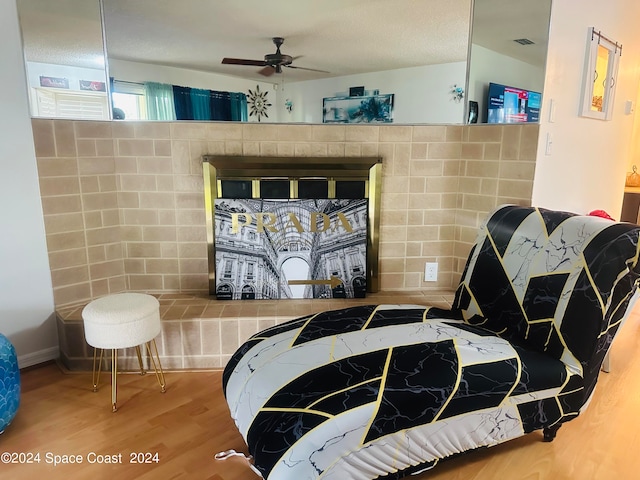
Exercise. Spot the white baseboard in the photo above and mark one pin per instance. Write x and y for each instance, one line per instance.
(40, 356)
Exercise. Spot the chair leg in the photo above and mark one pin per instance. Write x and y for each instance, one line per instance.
(606, 363)
(114, 379)
(142, 370)
(549, 433)
(157, 368)
(96, 375)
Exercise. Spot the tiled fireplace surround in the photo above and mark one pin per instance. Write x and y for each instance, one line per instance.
(123, 209)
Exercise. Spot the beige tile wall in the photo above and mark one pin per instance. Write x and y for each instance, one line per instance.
(124, 208)
(78, 186)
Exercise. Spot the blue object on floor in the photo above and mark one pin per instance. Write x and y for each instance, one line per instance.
(9, 382)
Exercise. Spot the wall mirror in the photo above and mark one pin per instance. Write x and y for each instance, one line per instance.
(507, 59)
(601, 69)
(64, 58)
(370, 48)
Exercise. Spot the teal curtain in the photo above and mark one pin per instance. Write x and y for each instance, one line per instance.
(238, 107)
(200, 103)
(173, 102)
(160, 105)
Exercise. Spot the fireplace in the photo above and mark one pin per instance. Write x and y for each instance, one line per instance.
(292, 227)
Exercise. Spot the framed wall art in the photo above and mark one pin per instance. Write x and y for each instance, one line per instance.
(599, 81)
(358, 109)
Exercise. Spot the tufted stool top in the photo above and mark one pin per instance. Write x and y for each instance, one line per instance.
(121, 320)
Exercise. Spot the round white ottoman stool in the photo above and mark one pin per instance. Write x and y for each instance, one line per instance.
(123, 320)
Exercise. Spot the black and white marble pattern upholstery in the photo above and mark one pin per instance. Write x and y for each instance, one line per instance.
(386, 391)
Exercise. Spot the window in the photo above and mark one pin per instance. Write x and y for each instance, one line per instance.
(334, 266)
(130, 98)
(356, 262)
(250, 271)
(68, 104)
(228, 269)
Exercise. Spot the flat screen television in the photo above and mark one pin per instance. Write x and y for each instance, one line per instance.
(512, 105)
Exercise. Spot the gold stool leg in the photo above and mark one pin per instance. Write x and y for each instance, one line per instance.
(142, 371)
(160, 373)
(114, 379)
(95, 377)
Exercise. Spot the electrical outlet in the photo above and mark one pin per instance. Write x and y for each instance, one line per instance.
(431, 272)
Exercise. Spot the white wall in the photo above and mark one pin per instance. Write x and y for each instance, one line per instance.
(26, 295)
(589, 158)
(146, 72)
(487, 66)
(421, 93)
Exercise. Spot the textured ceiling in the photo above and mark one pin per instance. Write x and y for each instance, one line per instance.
(340, 36)
(497, 23)
(63, 32)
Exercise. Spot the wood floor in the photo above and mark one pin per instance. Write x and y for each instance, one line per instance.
(60, 415)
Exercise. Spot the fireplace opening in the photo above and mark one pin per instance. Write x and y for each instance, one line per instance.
(282, 227)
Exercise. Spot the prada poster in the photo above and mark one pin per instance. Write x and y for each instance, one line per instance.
(280, 249)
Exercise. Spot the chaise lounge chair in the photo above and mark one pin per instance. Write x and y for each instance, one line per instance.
(385, 391)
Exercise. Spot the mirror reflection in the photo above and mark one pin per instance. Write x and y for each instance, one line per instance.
(507, 60)
(281, 61)
(64, 58)
(288, 57)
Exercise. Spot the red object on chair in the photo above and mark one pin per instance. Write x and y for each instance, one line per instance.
(600, 213)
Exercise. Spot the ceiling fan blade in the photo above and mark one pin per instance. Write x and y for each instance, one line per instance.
(310, 69)
(267, 71)
(243, 61)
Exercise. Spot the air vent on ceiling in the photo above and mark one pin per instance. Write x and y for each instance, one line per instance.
(523, 41)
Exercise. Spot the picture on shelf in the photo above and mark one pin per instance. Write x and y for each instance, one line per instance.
(358, 109)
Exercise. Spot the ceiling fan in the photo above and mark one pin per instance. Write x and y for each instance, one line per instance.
(272, 63)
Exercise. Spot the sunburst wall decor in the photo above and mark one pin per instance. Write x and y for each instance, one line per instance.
(258, 103)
